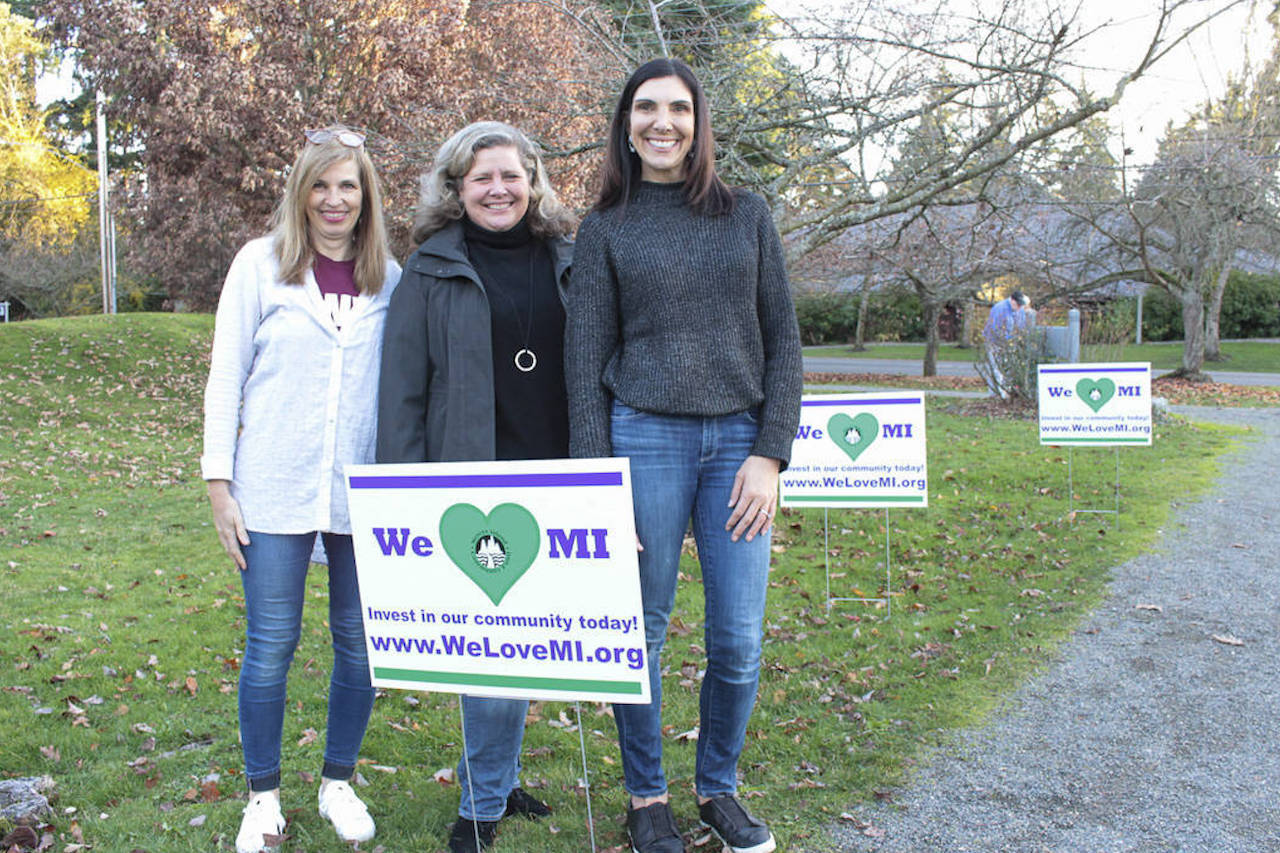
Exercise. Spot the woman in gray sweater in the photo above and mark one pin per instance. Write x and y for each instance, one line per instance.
(682, 353)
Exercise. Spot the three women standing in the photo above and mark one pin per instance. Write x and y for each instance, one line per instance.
(683, 354)
(473, 370)
(290, 400)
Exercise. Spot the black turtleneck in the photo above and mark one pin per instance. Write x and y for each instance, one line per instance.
(531, 410)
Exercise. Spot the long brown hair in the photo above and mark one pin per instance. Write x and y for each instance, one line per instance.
(704, 192)
(289, 224)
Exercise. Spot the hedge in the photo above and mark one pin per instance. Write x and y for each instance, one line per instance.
(1250, 309)
(831, 316)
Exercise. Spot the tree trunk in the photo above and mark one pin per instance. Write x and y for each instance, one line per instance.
(1212, 346)
(860, 333)
(932, 313)
(967, 313)
(1193, 335)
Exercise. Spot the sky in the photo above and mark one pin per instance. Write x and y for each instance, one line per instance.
(1195, 72)
(1119, 30)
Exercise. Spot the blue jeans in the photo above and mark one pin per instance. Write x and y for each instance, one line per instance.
(274, 589)
(493, 730)
(684, 467)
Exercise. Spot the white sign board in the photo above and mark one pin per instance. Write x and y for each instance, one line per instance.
(862, 450)
(511, 579)
(1095, 404)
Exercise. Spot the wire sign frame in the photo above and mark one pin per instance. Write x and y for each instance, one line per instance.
(863, 451)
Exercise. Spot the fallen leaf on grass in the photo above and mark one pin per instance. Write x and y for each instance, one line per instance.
(444, 775)
(1153, 607)
(20, 837)
(308, 736)
(1227, 640)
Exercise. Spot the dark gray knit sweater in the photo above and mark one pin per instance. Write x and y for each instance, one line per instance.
(677, 313)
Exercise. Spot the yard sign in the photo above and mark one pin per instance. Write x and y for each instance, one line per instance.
(509, 579)
(1100, 405)
(858, 450)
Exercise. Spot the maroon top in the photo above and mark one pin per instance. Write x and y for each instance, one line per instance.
(337, 282)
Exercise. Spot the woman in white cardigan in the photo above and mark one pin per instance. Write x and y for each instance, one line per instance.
(291, 399)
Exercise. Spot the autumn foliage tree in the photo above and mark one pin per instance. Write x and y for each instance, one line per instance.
(46, 197)
(216, 97)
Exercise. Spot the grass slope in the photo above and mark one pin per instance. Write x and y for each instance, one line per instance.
(122, 621)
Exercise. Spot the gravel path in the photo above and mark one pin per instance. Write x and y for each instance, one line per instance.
(1146, 734)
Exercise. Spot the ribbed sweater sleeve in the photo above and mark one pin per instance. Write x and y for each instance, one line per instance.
(780, 334)
(591, 337)
(678, 313)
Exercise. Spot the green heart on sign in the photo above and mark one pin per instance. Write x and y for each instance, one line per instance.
(494, 550)
(1095, 394)
(853, 435)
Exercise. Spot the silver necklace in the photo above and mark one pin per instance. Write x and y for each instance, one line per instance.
(525, 359)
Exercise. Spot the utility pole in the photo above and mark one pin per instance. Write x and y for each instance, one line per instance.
(106, 243)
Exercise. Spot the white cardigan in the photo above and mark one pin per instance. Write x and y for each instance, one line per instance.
(291, 398)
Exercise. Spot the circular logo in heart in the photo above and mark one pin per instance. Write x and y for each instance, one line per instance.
(494, 550)
(1095, 394)
(853, 434)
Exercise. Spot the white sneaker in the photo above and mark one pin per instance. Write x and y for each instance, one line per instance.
(262, 818)
(341, 807)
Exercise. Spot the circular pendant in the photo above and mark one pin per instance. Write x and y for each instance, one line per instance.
(526, 360)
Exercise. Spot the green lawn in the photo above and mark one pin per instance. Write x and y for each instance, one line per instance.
(122, 626)
(1246, 356)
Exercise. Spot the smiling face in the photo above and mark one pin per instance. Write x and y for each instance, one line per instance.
(662, 127)
(333, 208)
(495, 191)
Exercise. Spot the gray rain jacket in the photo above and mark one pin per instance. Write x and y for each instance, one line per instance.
(435, 392)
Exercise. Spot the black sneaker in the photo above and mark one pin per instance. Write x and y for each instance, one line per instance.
(653, 830)
(521, 802)
(462, 838)
(743, 833)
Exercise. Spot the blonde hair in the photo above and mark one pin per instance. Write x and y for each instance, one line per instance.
(440, 204)
(292, 234)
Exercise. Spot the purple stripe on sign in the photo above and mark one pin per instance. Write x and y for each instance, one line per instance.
(486, 481)
(1095, 370)
(888, 401)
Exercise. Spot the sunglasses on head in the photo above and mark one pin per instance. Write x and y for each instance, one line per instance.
(349, 138)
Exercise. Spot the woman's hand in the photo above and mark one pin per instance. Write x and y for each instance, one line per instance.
(228, 521)
(754, 497)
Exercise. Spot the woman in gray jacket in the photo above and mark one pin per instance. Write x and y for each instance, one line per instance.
(472, 369)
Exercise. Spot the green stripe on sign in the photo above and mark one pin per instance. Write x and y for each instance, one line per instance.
(633, 688)
(897, 499)
(1094, 440)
